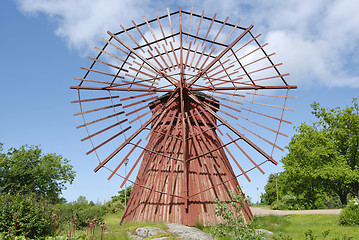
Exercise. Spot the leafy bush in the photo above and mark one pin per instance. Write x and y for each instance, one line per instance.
(350, 214)
(34, 216)
(289, 202)
(80, 209)
(332, 202)
(234, 227)
(117, 203)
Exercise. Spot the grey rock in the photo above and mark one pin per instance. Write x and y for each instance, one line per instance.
(265, 231)
(185, 232)
(146, 232)
(133, 236)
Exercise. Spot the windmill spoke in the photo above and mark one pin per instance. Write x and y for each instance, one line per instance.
(93, 99)
(103, 130)
(254, 163)
(142, 58)
(105, 73)
(159, 23)
(264, 126)
(229, 34)
(256, 87)
(273, 106)
(132, 137)
(100, 119)
(121, 89)
(108, 140)
(219, 56)
(143, 37)
(97, 109)
(133, 168)
(233, 129)
(209, 29)
(257, 135)
(265, 115)
(139, 102)
(234, 159)
(224, 23)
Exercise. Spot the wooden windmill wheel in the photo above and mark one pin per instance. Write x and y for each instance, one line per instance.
(185, 97)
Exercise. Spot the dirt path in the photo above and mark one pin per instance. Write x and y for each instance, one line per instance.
(266, 212)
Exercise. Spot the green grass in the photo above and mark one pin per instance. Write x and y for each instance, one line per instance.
(295, 226)
(117, 231)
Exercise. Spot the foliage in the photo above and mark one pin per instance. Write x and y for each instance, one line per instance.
(322, 164)
(289, 202)
(27, 170)
(119, 231)
(117, 203)
(234, 225)
(33, 215)
(65, 237)
(271, 223)
(309, 235)
(270, 194)
(350, 214)
(332, 201)
(282, 237)
(121, 195)
(296, 227)
(80, 209)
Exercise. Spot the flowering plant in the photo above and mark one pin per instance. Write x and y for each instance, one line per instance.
(350, 214)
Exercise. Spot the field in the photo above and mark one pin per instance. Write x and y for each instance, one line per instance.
(289, 227)
(316, 226)
(294, 227)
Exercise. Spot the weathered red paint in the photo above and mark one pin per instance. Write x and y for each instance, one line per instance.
(168, 176)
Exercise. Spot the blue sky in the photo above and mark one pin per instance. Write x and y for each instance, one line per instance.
(45, 42)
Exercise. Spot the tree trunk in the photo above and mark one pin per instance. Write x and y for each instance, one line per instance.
(343, 198)
(355, 188)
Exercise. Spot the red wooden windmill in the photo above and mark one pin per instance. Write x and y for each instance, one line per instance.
(175, 95)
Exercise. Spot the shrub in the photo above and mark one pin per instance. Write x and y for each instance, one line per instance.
(80, 209)
(289, 202)
(234, 226)
(350, 214)
(114, 207)
(332, 201)
(34, 216)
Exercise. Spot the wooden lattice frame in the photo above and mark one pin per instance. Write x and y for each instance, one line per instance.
(194, 59)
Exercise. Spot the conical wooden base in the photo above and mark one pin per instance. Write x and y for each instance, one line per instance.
(171, 189)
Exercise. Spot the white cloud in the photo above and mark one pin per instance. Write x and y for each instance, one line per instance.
(317, 41)
(81, 23)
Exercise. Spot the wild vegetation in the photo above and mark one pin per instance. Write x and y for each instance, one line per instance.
(322, 164)
(27, 170)
(321, 171)
(234, 226)
(305, 227)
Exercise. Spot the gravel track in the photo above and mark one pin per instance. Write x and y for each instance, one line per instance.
(266, 212)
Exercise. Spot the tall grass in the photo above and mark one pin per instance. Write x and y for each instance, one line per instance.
(117, 231)
(296, 226)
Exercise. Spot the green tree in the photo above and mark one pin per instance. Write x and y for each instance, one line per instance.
(28, 170)
(270, 194)
(342, 126)
(121, 195)
(323, 157)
